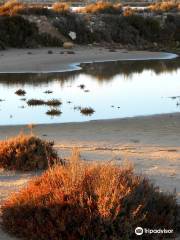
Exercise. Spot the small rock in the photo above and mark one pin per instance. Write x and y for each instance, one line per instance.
(68, 45)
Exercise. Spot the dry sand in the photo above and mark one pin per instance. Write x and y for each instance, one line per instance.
(151, 143)
(18, 60)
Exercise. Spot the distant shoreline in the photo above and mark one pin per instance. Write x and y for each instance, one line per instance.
(62, 60)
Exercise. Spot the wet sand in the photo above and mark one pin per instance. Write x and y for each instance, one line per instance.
(38, 60)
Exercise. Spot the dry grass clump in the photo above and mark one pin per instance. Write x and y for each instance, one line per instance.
(103, 7)
(53, 112)
(61, 7)
(20, 92)
(88, 201)
(87, 111)
(11, 7)
(164, 6)
(26, 152)
(53, 102)
(35, 102)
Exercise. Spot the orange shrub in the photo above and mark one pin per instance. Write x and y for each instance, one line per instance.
(163, 6)
(60, 7)
(11, 7)
(88, 201)
(26, 152)
(103, 7)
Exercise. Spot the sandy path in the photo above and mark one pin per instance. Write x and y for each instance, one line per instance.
(18, 60)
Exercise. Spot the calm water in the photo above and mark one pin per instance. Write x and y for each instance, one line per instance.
(115, 90)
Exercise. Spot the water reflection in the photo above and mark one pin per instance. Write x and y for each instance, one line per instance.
(152, 89)
(100, 71)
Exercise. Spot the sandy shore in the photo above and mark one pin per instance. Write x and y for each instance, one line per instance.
(19, 60)
(151, 143)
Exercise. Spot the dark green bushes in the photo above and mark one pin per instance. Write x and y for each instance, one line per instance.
(15, 31)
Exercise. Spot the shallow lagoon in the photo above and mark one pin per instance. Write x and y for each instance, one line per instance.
(113, 90)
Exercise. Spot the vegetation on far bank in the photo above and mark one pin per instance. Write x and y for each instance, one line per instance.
(26, 25)
(80, 200)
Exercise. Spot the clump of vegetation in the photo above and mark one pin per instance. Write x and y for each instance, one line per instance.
(18, 32)
(61, 7)
(48, 92)
(11, 7)
(53, 112)
(81, 86)
(164, 6)
(79, 200)
(26, 153)
(53, 102)
(103, 7)
(35, 102)
(87, 111)
(20, 92)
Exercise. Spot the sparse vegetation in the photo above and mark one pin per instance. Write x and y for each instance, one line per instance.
(87, 111)
(79, 200)
(35, 102)
(61, 7)
(113, 25)
(53, 112)
(164, 6)
(103, 7)
(48, 92)
(53, 102)
(26, 153)
(20, 92)
(11, 7)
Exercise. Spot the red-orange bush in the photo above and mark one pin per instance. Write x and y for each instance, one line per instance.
(88, 201)
(11, 7)
(61, 7)
(164, 6)
(26, 152)
(103, 7)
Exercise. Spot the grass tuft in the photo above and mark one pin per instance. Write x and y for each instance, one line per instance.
(53, 102)
(87, 111)
(35, 102)
(20, 92)
(53, 112)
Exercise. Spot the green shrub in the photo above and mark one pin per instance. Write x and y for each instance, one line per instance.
(15, 31)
